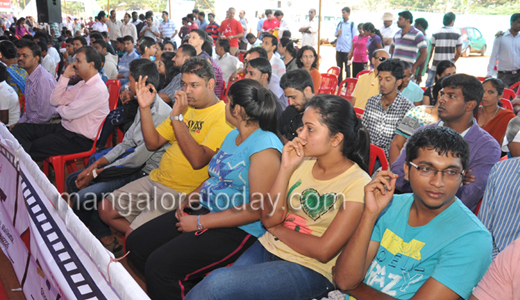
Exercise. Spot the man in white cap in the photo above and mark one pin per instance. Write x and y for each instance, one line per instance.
(388, 30)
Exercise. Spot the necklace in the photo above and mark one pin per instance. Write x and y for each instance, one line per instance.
(481, 113)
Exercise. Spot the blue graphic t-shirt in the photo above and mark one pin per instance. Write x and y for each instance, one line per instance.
(228, 184)
(454, 248)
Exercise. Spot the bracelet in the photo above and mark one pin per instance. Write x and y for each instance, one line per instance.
(199, 224)
(94, 173)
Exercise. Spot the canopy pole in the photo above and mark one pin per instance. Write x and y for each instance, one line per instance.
(169, 8)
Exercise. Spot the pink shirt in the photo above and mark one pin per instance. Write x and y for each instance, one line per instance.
(502, 279)
(82, 107)
(193, 26)
(360, 49)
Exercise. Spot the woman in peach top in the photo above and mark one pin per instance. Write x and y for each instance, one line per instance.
(308, 59)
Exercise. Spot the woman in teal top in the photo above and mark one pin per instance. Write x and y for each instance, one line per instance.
(218, 221)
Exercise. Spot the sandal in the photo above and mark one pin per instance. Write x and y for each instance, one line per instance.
(114, 247)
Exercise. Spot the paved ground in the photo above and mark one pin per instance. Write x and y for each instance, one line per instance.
(475, 64)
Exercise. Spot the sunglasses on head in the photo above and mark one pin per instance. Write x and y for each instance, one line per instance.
(380, 58)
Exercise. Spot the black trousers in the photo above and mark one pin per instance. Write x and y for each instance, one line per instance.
(357, 67)
(342, 60)
(43, 140)
(173, 261)
(509, 78)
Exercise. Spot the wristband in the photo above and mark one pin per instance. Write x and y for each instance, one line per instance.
(94, 173)
(199, 224)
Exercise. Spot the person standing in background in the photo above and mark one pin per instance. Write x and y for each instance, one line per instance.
(359, 55)
(345, 32)
(388, 30)
(310, 30)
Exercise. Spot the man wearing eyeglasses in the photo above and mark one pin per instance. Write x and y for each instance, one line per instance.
(310, 30)
(423, 245)
(461, 95)
(368, 84)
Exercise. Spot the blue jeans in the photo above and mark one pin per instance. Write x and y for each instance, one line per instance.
(258, 274)
(84, 202)
(431, 78)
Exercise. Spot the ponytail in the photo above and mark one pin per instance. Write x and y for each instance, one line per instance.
(340, 117)
(258, 103)
(376, 31)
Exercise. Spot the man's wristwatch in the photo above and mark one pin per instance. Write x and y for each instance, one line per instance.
(199, 224)
(180, 117)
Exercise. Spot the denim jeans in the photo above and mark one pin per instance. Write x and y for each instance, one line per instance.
(85, 201)
(258, 274)
(431, 78)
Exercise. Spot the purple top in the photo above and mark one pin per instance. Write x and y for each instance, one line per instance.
(372, 45)
(21, 30)
(38, 89)
(484, 152)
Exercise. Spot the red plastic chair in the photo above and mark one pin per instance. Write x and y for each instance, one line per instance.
(362, 73)
(478, 207)
(224, 95)
(509, 94)
(515, 86)
(376, 152)
(114, 89)
(59, 161)
(350, 85)
(507, 104)
(359, 112)
(334, 70)
(481, 78)
(241, 56)
(329, 84)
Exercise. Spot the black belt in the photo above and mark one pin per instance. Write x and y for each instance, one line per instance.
(509, 72)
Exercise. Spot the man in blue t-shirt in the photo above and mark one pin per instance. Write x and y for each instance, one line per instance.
(424, 245)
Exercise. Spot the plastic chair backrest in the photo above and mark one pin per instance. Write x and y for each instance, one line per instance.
(114, 89)
(359, 112)
(509, 94)
(329, 84)
(506, 104)
(515, 86)
(362, 73)
(376, 152)
(481, 78)
(334, 70)
(224, 97)
(241, 56)
(350, 85)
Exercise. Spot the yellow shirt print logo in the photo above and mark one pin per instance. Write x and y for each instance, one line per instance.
(394, 244)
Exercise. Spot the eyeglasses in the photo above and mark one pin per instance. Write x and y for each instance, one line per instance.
(427, 171)
(380, 58)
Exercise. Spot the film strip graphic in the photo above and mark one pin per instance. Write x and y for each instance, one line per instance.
(75, 273)
(8, 155)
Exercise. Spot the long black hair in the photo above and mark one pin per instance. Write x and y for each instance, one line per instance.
(370, 27)
(340, 117)
(258, 103)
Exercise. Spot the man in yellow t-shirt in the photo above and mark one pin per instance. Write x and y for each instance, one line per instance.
(196, 129)
(368, 84)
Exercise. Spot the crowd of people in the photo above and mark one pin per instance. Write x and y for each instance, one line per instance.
(237, 179)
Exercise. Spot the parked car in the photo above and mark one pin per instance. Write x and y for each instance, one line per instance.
(472, 41)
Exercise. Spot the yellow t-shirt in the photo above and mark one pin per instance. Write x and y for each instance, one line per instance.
(366, 87)
(208, 127)
(313, 215)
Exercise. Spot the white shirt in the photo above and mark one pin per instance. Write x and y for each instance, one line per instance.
(229, 64)
(311, 39)
(284, 26)
(114, 29)
(52, 52)
(100, 27)
(49, 65)
(388, 32)
(277, 65)
(274, 86)
(110, 66)
(129, 29)
(9, 101)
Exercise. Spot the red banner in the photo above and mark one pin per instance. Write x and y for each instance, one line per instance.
(5, 5)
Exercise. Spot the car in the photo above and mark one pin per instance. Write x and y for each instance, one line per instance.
(472, 41)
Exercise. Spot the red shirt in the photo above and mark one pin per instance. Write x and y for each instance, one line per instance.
(270, 24)
(229, 28)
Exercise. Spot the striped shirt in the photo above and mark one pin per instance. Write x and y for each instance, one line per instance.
(167, 29)
(38, 89)
(212, 30)
(381, 123)
(407, 45)
(500, 210)
(445, 41)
